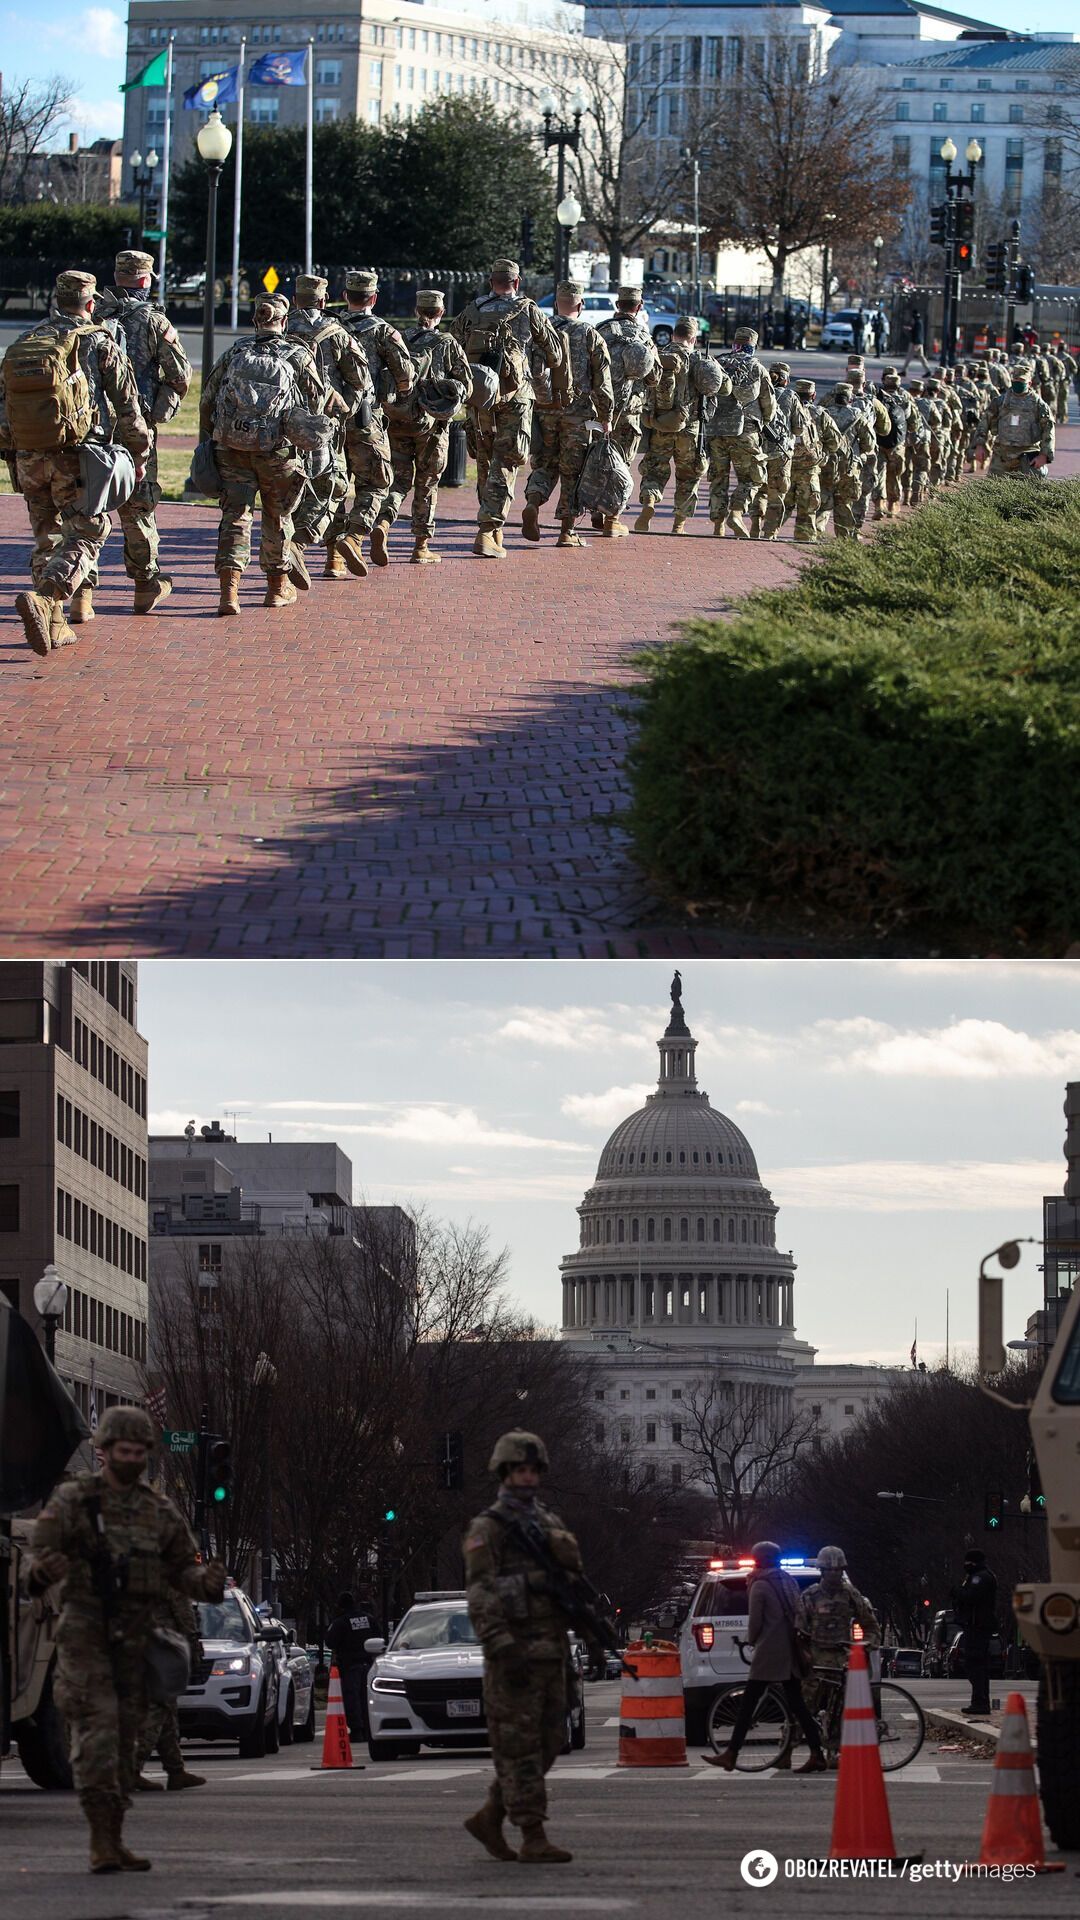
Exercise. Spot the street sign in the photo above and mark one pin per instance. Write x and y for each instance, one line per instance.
(271, 279)
(153, 233)
(179, 1442)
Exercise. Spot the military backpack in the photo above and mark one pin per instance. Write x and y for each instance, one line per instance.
(258, 390)
(49, 402)
(671, 396)
(490, 341)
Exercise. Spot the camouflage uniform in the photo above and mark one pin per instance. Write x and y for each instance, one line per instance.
(500, 436)
(842, 476)
(420, 444)
(833, 1607)
(561, 435)
(277, 478)
(343, 366)
(900, 407)
(1022, 425)
(67, 539)
(163, 375)
(629, 341)
(787, 423)
(160, 1730)
(865, 401)
(367, 454)
(923, 441)
(697, 383)
(735, 446)
(817, 441)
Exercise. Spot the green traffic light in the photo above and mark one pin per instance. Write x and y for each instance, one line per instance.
(992, 1523)
(221, 1493)
(390, 1514)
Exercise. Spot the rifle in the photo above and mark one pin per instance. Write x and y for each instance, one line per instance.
(574, 1593)
(109, 1575)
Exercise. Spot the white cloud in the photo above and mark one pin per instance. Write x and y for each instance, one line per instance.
(576, 1029)
(97, 119)
(907, 1186)
(963, 1050)
(169, 1120)
(102, 33)
(440, 1126)
(605, 1109)
(758, 1107)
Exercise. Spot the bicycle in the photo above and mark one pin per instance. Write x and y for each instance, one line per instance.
(773, 1735)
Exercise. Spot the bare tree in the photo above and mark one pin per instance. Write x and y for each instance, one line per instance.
(31, 111)
(743, 1442)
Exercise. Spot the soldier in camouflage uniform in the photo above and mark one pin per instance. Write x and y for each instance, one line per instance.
(163, 375)
(67, 539)
(818, 441)
(635, 370)
(420, 443)
(923, 441)
(343, 366)
(677, 419)
(276, 477)
(160, 1730)
(865, 401)
(842, 476)
(1021, 426)
(562, 435)
(734, 437)
(368, 453)
(983, 389)
(778, 444)
(115, 1545)
(833, 1608)
(500, 331)
(522, 1631)
(893, 448)
(943, 393)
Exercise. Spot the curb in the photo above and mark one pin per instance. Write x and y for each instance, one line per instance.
(981, 1733)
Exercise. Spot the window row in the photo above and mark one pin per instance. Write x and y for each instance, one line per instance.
(943, 110)
(77, 1130)
(87, 1318)
(106, 978)
(105, 1064)
(624, 1393)
(85, 1227)
(686, 1157)
(743, 1231)
(983, 86)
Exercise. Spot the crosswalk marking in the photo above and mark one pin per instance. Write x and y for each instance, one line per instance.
(398, 1898)
(923, 1774)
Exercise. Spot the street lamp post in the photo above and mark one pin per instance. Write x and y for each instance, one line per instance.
(561, 134)
(142, 179)
(879, 246)
(959, 188)
(50, 1304)
(214, 142)
(265, 1376)
(825, 274)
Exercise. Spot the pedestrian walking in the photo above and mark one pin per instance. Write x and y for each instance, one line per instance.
(916, 337)
(345, 1636)
(879, 327)
(976, 1616)
(858, 331)
(776, 1617)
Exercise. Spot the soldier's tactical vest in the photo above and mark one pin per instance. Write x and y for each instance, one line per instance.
(132, 1537)
(490, 341)
(846, 420)
(576, 334)
(738, 412)
(1018, 422)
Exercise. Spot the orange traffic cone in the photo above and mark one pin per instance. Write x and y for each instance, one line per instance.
(336, 1751)
(1012, 1835)
(862, 1829)
(652, 1721)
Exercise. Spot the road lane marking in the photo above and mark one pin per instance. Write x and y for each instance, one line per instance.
(308, 1897)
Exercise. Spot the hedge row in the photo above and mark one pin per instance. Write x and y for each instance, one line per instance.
(893, 742)
(78, 231)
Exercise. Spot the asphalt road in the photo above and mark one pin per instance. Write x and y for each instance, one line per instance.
(275, 1838)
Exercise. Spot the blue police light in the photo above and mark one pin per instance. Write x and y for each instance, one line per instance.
(800, 1562)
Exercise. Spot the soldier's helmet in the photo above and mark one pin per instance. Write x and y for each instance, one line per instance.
(125, 1423)
(765, 1553)
(518, 1450)
(832, 1559)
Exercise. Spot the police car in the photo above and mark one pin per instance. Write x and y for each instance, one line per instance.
(426, 1686)
(708, 1642)
(234, 1689)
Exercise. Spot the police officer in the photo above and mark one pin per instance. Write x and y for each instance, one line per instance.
(345, 1637)
(976, 1615)
(522, 1630)
(115, 1544)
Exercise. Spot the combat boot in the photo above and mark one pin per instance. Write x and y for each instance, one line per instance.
(280, 591)
(567, 536)
(614, 527)
(486, 547)
(755, 527)
(530, 520)
(144, 1784)
(230, 592)
(35, 612)
(486, 1825)
(719, 529)
(641, 524)
(60, 634)
(335, 568)
(422, 555)
(599, 524)
(130, 1862)
(499, 542)
(351, 549)
(379, 553)
(182, 1778)
(103, 1819)
(149, 592)
(296, 567)
(536, 1846)
(82, 606)
(737, 523)
(678, 523)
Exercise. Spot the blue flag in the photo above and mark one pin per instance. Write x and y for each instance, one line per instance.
(215, 91)
(280, 69)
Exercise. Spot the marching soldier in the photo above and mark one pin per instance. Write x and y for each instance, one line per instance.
(734, 436)
(842, 477)
(163, 375)
(866, 401)
(924, 442)
(635, 370)
(367, 452)
(343, 367)
(779, 439)
(677, 419)
(818, 442)
(420, 438)
(893, 446)
(1022, 427)
(562, 434)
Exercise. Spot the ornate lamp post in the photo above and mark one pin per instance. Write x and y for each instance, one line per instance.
(959, 196)
(561, 134)
(214, 142)
(142, 179)
(50, 1303)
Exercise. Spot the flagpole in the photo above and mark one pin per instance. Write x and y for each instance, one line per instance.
(309, 153)
(237, 182)
(163, 210)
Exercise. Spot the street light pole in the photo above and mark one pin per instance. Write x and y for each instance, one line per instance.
(958, 187)
(50, 1303)
(142, 179)
(562, 134)
(214, 141)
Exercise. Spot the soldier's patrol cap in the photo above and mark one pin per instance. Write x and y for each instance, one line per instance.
(570, 290)
(1022, 366)
(73, 288)
(805, 388)
(509, 267)
(781, 366)
(430, 299)
(686, 327)
(855, 360)
(931, 386)
(310, 285)
(915, 386)
(362, 280)
(890, 375)
(133, 262)
(841, 391)
(269, 306)
(746, 336)
(629, 297)
(125, 1423)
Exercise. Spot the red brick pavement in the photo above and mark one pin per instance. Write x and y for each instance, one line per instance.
(424, 763)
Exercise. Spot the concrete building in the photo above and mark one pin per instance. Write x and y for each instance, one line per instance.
(73, 1164)
(678, 1288)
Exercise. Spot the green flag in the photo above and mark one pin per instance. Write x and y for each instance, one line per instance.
(152, 75)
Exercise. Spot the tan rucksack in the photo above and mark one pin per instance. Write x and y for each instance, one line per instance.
(47, 394)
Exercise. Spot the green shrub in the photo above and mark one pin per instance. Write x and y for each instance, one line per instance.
(896, 740)
(47, 231)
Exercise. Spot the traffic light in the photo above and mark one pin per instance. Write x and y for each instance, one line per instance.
(997, 267)
(965, 218)
(389, 1514)
(1035, 1488)
(451, 1462)
(1025, 283)
(993, 1512)
(965, 256)
(939, 224)
(219, 1471)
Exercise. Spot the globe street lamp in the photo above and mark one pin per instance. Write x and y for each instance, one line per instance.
(567, 213)
(214, 142)
(561, 133)
(142, 179)
(879, 246)
(959, 225)
(50, 1305)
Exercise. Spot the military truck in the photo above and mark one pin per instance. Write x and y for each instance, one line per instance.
(40, 1429)
(1048, 1612)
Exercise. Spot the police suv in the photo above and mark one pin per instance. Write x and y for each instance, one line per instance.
(708, 1642)
(234, 1687)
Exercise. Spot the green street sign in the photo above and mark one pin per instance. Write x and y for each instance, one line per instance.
(153, 233)
(179, 1442)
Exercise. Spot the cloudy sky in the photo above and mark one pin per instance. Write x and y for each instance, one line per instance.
(905, 1117)
(87, 45)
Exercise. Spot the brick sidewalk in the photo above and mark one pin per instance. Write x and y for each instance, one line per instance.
(427, 762)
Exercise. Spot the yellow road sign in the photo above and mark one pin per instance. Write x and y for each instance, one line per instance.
(271, 279)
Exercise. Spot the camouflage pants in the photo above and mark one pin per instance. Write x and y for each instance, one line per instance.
(160, 1733)
(527, 1728)
(103, 1701)
(743, 453)
(805, 497)
(1010, 460)
(321, 501)
(666, 450)
(138, 521)
(367, 457)
(67, 541)
(919, 480)
(626, 433)
(779, 486)
(499, 441)
(891, 484)
(277, 479)
(560, 443)
(866, 480)
(839, 492)
(418, 456)
(1061, 411)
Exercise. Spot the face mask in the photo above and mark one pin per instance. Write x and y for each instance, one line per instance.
(1019, 386)
(126, 1471)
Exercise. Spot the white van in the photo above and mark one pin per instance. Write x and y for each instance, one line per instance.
(708, 1650)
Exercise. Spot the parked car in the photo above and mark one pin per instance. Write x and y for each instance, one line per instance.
(839, 329)
(596, 307)
(234, 1688)
(906, 1662)
(662, 316)
(708, 1652)
(296, 1684)
(613, 1666)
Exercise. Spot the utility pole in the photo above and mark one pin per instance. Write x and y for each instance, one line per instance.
(202, 1458)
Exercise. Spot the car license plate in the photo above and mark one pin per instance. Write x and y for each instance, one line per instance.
(463, 1709)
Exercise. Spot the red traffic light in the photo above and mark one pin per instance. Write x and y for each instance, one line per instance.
(964, 253)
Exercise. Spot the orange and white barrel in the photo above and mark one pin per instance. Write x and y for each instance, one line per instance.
(652, 1718)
